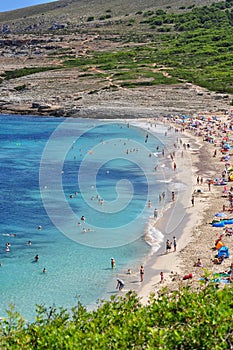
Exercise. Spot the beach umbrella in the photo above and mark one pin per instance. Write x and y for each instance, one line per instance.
(221, 215)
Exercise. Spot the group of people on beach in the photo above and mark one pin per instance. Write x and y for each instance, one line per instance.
(169, 245)
(217, 132)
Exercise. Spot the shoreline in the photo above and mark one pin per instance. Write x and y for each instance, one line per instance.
(175, 218)
(191, 241)
(177, 211)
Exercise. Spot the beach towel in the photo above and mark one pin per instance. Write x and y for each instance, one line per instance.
(187, 277)
(218, 224)
(215, 280)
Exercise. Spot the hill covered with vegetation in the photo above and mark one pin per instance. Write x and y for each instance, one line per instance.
(155, 42)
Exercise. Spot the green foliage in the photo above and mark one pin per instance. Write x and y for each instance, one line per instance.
(103, 17)
(127, 68)
(160, 12)
(180, 320)
(148, 13)
(20, 87)
(17, 73)
(194, 46)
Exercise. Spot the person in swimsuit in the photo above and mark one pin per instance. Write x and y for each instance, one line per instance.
(142, 273)
(161, 277)
(120, 284)
(174, 243)
(168, 246)
(113, 263)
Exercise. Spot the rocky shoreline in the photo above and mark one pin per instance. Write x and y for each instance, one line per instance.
(110, 103)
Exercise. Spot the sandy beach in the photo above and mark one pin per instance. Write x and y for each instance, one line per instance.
(191, 222)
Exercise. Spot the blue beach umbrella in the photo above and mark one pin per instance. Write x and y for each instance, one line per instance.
(221, 215)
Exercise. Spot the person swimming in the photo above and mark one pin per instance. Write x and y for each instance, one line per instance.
(9, 234)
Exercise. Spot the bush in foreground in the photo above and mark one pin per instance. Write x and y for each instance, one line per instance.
(179, 320)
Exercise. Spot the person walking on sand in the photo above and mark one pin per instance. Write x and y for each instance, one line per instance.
(161, 277)
(192, 200)
(209, 185)
(173, 196)
(155, 213)
(174, 243)
(142, 273)
(168, 246)
(174, 166)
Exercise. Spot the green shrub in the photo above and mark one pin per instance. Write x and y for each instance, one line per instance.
(180, 320)
(17, 73)
(20, 87)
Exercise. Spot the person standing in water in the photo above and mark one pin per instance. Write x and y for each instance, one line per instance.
(113, 263)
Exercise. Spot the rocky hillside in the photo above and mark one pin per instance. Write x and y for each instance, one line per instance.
(108, 59)
(73, 15)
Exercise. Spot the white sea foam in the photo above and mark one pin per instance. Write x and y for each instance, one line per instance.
(153, 236)
(167, 181)
(177, 186)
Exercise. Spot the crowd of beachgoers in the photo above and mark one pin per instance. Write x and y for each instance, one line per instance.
(202, 251)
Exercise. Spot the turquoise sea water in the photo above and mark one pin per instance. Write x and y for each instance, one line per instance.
(53, 172)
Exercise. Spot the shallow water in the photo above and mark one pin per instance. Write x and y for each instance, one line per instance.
(55, 170)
